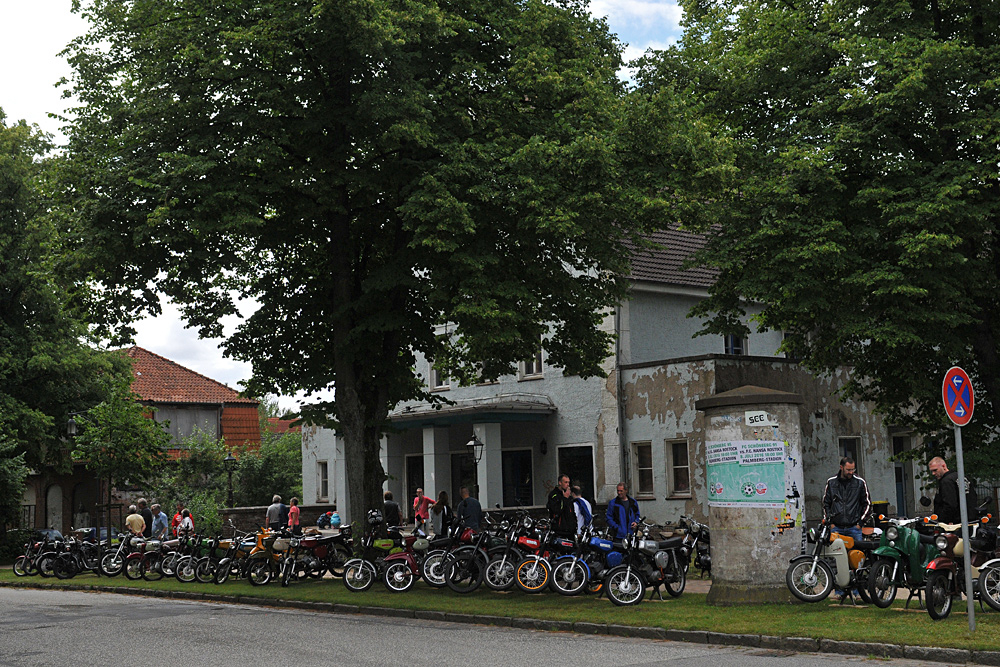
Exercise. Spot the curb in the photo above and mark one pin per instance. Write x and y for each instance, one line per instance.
(796, 644)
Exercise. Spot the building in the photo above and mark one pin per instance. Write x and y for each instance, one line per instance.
(640, 424)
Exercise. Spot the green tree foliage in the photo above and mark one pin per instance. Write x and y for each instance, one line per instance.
(198, 472)
(864, 212)
(276, 468)
(365, 170)
(46, 368)
(12, 475)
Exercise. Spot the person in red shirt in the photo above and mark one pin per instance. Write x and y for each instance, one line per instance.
(421, 503)
(176, 521)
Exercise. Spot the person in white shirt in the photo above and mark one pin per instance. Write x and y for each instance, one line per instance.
(584, 511)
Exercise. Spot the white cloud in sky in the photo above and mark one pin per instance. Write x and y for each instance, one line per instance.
(640, 22)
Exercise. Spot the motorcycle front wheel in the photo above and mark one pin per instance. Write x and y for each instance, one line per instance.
(464, 573)
(938, 594)
(432, 569)
(65, 567)
(184, 570)
(359, 575)
(398, 577)
(339, 554)
(169, 563)
(532, 575)
(499, 574)
(675, 579)
(259, 574)
(882, 587)
(133, 569)
(989, 586)
(223, 571)
(45, 564)
(21, 566)
(204, 570)
(569, 577)
(150, 568)
(807, 583)
(624, 586)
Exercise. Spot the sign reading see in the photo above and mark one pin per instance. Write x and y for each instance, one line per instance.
(759, 418)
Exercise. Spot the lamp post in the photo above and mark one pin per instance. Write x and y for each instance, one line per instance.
(475, 448)
(230, 463)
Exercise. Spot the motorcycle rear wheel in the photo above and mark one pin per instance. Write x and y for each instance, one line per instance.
(21, 566)
(624, 586)
(335, 560)
(499, 573)
(882, 588)
(204, 570)
(989, 586)
(45, 563)
(807, 584)
(531, 575)
(359, 575)
(398, 577)
(65, 567)
(464, 572)
(938, 594)
(569, 577)
(259, 573)
(676, 580)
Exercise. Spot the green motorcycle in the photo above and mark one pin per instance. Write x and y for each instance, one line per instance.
(906, 547)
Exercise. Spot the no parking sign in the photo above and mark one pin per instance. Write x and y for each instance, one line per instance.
(959, 400)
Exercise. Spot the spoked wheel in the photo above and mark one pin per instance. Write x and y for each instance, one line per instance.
(398, 577)
(133, 569)
(569, 577)
(939, 592)
(861, 576)
(499, 574)
(464, 572)
(338, 556)
(359, 575)
(22, 566)
(185, 570)
(624, 586)
(532, 575)
(65, 567)
(260, 573)
(287, 570)
(675, 581)
(432, 569)
(168, 564)
(223, 571)
(989, 586)
(45, 564)
(882, 587)
(809, 583)
(204, 571)
(112, 564)
(150, 568)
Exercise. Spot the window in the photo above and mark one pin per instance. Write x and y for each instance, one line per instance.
(518, 481)
(851, 447)
(642, 456)
(323, 485)
(678, 470)
(532, 368)
(439, 379)
(735, 344)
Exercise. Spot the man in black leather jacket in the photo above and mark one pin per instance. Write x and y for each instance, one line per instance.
(946, 500)
(846, 501)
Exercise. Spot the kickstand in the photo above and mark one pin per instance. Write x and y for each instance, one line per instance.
(918, 593)
(658, 593)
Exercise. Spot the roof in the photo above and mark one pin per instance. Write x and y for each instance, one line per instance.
(281, 426)
(499, 407)
(159, 380)
(663, 265)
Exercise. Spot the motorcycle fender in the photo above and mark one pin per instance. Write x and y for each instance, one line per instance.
(800, 557)
(995, 562)
(404, 556)
(942, 564)
(888, 552)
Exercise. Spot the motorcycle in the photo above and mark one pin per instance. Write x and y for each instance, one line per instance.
(24, 565)
(499, 572)
(236, 559)
(945, 576)
(647, 563)
(697, 542)
(113, 561)
(395, 559)
(902, 557)
(77, 556)
(835, 560)
(307, 557)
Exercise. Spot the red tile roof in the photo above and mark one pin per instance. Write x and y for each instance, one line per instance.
(159, 380)
(281, 426)
(663, 265)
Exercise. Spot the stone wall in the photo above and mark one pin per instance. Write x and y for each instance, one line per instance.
(251, 518)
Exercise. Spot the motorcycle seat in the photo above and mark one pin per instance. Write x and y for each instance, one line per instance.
(439, 542)
(864, 545)
(671, 543)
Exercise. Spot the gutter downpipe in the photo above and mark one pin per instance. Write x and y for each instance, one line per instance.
(620, 401)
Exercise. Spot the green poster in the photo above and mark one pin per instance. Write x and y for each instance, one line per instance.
(746, 473)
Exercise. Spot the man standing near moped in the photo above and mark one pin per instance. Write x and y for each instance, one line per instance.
(846, 501)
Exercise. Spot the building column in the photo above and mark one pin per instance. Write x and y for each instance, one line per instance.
(394, 465)
(437, 461)
(490, 469)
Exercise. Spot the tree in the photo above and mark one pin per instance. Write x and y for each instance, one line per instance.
(12, 475)
(365, 171)
(275, 468)
(47, 366)
(863, 218)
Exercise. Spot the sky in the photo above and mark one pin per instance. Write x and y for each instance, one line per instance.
(33, 32)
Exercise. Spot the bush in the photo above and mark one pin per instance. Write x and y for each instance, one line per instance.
(12, 544)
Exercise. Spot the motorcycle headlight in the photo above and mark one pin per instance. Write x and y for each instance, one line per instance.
(294, 542)
(892, 533)
(812, 534)
(694, 528)
(940, 542)
(527, 522)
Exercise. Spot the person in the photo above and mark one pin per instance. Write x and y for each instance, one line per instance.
(324, 520)
(583, 509)
(946, 499)
(147, 516)
(176, 521)
(272, 517)
(469, 511)
(186, 526)
(134, 522)
(293, 517)
(441, 514)
(623, 513)
(160, 523)
(421, 503)
(390, 511)
(561, 507)
(846, 501)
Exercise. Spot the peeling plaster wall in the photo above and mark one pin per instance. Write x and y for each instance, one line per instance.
(659, 408)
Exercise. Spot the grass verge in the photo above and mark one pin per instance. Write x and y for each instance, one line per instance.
(824, 620)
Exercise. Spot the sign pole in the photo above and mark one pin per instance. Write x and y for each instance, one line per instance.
(964, 515)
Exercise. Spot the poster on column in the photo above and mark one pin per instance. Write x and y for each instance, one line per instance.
(746, 473)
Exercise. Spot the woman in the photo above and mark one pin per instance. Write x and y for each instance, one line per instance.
(441, 514)
(293, 517)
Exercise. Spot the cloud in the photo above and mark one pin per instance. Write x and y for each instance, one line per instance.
(640, 21)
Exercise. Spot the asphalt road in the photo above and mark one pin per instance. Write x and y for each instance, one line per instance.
(71, 628)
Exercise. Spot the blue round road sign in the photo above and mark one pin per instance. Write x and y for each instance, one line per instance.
(959, 400)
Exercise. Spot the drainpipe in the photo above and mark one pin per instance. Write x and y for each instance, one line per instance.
(620, 400)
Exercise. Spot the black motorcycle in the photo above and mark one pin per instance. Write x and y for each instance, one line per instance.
(697, 545)
(647, 563)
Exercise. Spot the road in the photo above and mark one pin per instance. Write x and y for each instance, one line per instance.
(77, 628)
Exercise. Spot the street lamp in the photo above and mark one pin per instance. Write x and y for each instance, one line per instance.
(230, 463)
(475, 448)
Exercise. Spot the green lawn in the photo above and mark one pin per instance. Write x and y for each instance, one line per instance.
(689, 612)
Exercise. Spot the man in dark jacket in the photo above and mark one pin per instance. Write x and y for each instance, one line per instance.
(946, 499)
(390, 511)
(623, 513)
(147, 516)
(846, 501)
(561, 508)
